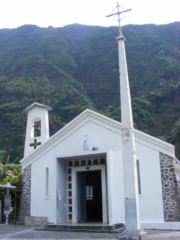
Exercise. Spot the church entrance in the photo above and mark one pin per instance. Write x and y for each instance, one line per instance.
(89, 192)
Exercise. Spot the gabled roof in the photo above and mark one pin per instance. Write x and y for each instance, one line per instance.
(113, 125)
(35, 104)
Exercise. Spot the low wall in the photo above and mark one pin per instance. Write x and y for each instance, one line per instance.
(161, 226)
(35, 221)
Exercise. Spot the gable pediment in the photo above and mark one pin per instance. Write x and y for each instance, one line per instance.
(101, 122)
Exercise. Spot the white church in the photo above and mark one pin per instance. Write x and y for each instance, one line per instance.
(98, 170)
(76, 175)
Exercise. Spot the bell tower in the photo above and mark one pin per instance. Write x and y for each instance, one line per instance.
(37, 129)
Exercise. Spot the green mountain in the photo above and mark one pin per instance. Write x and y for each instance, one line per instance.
(76, 67)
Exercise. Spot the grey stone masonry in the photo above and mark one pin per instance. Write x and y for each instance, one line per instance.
(24, 209)
(170, 189)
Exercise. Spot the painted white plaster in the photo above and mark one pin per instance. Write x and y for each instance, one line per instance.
(150, 201)
(131, 199)
(104, 123)
(40, 205)
(61, 189)
(115, 192)
(38, 112)
(104, 134)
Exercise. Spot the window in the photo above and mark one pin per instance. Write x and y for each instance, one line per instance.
(95, 161)
(89, 192)
(46, 182)
(138, 177)
(83, 162)
(102, 160)
(37, 128)
(70, 163)
(76, 163)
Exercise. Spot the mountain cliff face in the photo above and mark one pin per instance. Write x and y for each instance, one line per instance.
(76, 67)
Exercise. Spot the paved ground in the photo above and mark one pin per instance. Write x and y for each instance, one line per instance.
(23, 232)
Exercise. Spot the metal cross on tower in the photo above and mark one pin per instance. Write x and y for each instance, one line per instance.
(131, 199)
(119, 13)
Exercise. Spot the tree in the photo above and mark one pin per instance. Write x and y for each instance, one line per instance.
(15, 179)
(176, 132)
(175, 136)
(4, 158)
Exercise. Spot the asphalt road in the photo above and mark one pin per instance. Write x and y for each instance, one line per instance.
(23, 232)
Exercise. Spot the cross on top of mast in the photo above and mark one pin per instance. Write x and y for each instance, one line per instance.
(119, 13)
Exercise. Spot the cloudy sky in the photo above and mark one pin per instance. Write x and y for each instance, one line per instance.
(57, 13)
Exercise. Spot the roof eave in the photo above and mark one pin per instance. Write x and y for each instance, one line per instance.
(35, 104)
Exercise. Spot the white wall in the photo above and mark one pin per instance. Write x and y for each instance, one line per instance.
(115, 187)
(61, 192)
(151, 209)
(40, 204)
(98, 137)
(150, 201)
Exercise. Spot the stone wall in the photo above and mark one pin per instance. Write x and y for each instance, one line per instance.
(36, 221)
(24, 209)
(170, 189)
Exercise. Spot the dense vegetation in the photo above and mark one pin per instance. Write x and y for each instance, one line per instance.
(76, 67)
(15, 178)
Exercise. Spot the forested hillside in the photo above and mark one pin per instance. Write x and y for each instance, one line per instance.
(76, 67)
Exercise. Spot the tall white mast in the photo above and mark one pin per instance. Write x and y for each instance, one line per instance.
(131, 198)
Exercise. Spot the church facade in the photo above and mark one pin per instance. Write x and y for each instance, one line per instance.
(76, 175)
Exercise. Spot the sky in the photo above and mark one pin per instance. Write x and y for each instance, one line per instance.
(58, 13)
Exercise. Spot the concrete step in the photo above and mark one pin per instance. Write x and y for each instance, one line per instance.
(98, 228)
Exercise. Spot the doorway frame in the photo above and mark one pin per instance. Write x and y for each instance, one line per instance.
(75, 191)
